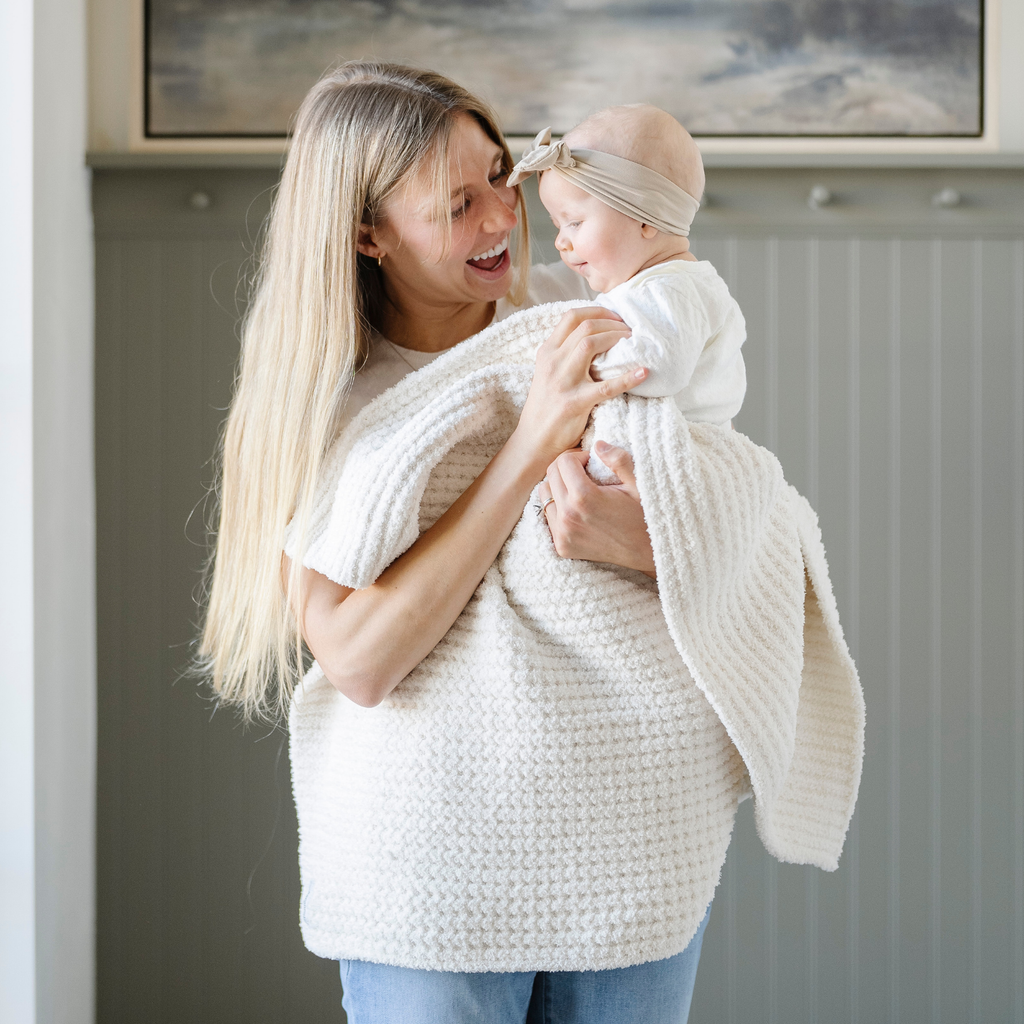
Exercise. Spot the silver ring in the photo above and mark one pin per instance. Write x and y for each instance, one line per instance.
(544, 507)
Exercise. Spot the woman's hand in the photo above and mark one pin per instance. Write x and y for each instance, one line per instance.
(593, 522)
(563, 393)
(366, 641)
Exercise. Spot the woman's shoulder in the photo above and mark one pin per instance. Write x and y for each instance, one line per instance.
(549, 282)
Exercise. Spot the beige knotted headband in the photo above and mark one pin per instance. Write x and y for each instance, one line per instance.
(628, 187)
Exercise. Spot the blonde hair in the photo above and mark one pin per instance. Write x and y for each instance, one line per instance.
(360, 133)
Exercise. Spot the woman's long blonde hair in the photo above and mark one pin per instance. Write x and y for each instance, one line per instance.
(360, 133)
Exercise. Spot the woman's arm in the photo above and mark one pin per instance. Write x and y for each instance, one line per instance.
(594, 522)
(367, 641)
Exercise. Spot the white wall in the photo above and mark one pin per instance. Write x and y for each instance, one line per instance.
(17, 802)
(47, 607)
(1011, 76)
(64, 519)
(111, 28)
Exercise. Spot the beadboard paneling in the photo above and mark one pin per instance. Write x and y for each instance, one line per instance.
(198, 878)
(886, 374)
(886, 369)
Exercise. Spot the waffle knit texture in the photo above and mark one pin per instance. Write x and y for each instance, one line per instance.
(554, 786)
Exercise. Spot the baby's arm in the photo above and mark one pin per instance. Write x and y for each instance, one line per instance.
(670, 329)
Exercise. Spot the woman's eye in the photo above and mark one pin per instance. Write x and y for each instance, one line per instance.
(495, 178)
(459, 211)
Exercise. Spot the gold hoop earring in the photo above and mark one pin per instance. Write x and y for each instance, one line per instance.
(380, 261)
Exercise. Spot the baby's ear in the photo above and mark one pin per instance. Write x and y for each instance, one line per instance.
(647, 231)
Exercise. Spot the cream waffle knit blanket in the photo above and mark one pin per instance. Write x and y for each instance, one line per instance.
(554, 787)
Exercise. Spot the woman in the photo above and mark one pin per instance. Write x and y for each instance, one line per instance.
(388, 244)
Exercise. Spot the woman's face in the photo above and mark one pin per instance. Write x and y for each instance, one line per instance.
(420, 267)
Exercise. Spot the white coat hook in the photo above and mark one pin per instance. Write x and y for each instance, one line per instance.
(947, 198)
(819, 197)
(200, 200)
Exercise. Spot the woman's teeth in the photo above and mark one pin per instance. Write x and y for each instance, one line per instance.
(496, 251)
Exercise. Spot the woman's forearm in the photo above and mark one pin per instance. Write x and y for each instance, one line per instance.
(366, 641)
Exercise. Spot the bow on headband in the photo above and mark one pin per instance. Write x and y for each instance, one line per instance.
(628, 187)
(541, 156)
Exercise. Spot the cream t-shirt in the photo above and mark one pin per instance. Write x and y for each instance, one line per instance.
(387, 363)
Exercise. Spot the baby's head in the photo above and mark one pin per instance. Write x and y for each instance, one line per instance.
(604, 245)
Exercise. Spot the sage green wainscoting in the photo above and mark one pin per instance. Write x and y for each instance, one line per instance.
(197, 888)
(886, 368)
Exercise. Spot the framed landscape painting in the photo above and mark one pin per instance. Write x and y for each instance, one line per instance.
(727, 69)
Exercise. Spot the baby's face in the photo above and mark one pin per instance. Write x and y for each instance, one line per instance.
(603, 245)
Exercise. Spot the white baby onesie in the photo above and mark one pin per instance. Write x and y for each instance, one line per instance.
(688, 331)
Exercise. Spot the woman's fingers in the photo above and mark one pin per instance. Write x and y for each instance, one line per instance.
(568, 468)
(556, 487)
(568, 484)
(591, 339)
(563, 393)
(575, 319)
(620, 462)
(599, 524)
(545, 497)
(605, 389)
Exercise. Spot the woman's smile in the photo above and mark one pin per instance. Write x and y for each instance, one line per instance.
(492, 263)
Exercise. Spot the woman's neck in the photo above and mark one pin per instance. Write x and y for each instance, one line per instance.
(433, 328)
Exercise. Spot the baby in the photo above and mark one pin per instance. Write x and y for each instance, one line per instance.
(622, 189)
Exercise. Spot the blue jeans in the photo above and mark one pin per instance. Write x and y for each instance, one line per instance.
(653, 993)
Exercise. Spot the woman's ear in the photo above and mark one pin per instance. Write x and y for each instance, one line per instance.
(366, 244)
